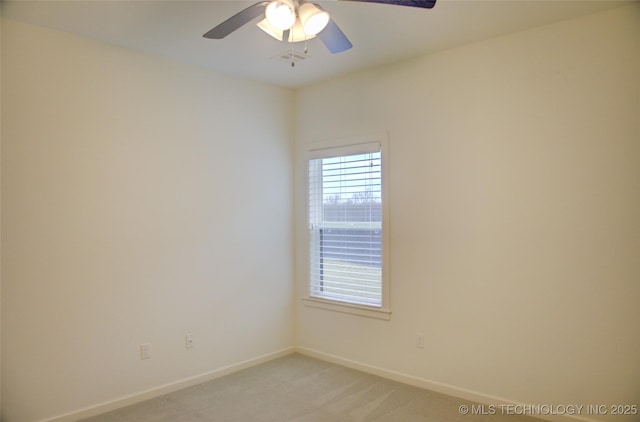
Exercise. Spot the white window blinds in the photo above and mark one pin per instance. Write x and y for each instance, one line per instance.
(345, 222)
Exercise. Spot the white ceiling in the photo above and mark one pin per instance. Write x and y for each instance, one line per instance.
(380, 33)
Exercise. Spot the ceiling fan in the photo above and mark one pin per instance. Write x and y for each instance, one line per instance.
(299, 20)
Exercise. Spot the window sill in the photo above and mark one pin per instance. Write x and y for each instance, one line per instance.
(346, 308)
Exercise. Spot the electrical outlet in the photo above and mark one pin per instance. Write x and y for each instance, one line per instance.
(420, 341)
(188, 341)
(145, 351)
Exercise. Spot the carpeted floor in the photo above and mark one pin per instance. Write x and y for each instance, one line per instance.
(299, 388)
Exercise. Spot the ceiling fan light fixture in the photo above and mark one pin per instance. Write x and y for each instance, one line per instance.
(296, 33)
(313, 18)
(281, 14)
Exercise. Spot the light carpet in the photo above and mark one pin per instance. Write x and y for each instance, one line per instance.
(300, 388)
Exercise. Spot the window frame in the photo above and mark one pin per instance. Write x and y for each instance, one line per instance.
(344, 147)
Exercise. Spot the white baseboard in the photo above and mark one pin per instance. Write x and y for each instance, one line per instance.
(167, 388)
(439, 387)
(436, 386)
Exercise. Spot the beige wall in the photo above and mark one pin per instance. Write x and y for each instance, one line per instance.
(515, 203)
(135, 209)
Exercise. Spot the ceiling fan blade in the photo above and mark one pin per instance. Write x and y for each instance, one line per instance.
(334, 39)
(236, 21)
(425, 4)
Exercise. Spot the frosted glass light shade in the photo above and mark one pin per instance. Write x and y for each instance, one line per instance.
(313, 18)
(281, 14)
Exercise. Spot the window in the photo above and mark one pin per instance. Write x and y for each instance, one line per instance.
(347, 226)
